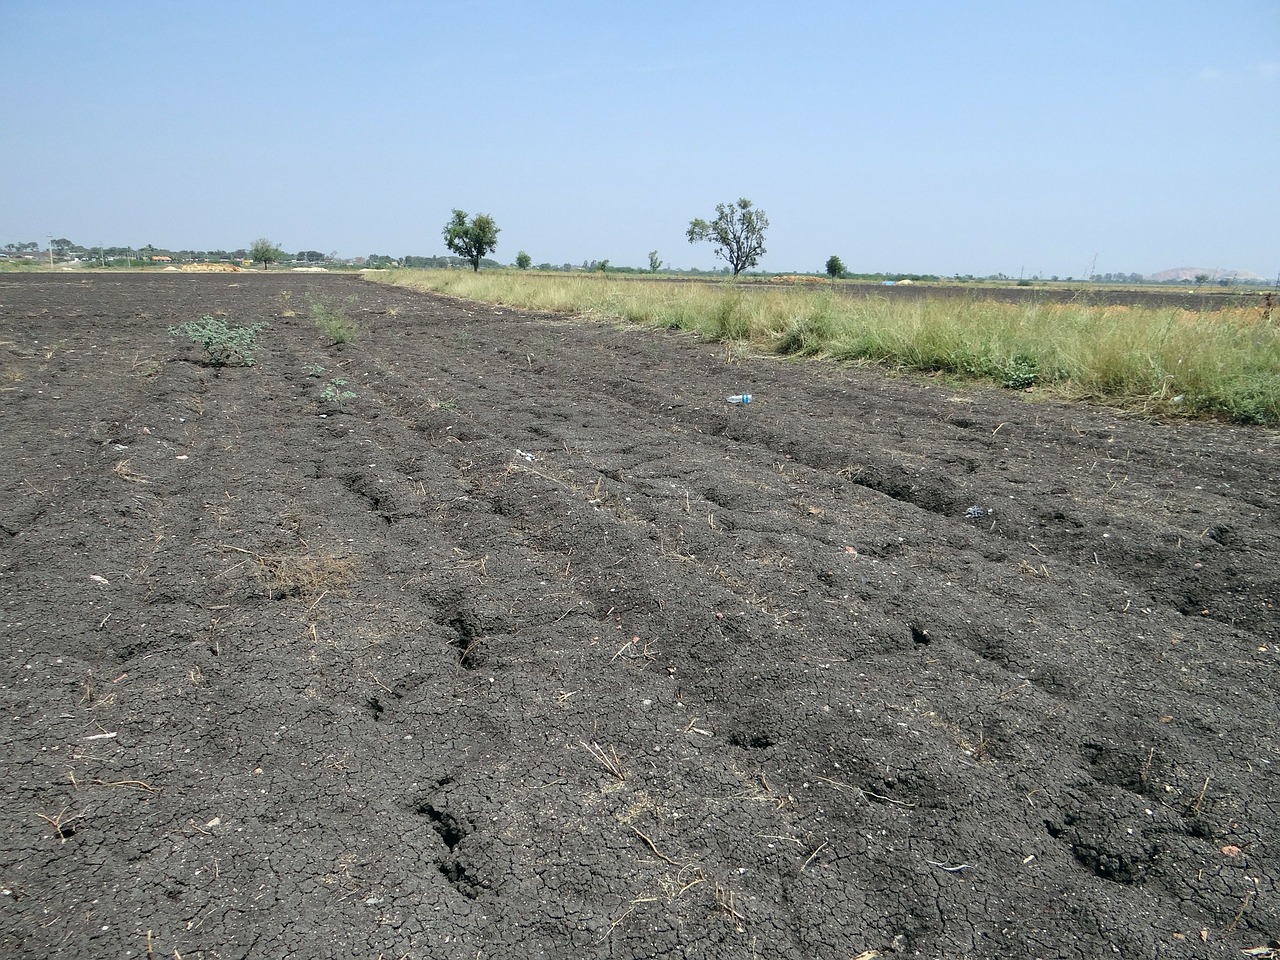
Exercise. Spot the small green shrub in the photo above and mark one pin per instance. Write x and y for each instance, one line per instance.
(334, 318)
(1020, 371)
(334, 392)
(225, 345)
(313, 370)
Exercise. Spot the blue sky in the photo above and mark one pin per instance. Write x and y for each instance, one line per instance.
(903, 135)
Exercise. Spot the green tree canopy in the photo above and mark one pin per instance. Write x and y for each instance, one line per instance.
(835, 267)
(737, 233)
(471, 239)
(523, 260)
(654, 263)
(263, 251)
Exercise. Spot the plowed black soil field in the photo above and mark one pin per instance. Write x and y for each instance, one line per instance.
(532, 646)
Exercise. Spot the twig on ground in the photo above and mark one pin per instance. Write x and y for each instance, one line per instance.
(943, 866)
(59, 822)
(695, 729)
(656, 852)
(614, 926)
(725, 903)
(817, 851)
(135, 784)
(864, 791)
(1244, 906)
(1195, 807)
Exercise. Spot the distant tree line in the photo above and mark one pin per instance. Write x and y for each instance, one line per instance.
(64, 249)
(382, 261)
(736, 233)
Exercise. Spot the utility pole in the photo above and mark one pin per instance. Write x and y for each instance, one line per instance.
(50, 251)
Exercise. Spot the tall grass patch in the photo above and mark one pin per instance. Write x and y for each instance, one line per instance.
(1223, 364)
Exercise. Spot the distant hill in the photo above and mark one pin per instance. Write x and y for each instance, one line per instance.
(1190, 273)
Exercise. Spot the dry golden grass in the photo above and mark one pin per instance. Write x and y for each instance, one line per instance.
(1154, 360)
(305, 575)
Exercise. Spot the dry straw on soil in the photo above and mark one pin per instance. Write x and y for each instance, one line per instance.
(300, 575)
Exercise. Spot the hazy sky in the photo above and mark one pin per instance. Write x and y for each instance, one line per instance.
(939, 136)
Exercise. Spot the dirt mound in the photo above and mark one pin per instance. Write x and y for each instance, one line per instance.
(797, 278)
(209, 268)
(498, 634)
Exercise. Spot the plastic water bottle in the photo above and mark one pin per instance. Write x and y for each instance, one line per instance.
(740, 399)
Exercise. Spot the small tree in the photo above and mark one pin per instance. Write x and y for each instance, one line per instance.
(471, 239)
(835, 267)
(654, 263)
(523, 260)
(263, 251)
(737, 233)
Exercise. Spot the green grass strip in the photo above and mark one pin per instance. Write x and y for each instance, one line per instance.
(1222, 364)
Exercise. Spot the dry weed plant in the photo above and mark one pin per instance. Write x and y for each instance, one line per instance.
(61, 823)
(301, 575)
(608, 759)
(726, 906)
(91, 696)
(128, 474)
(306, 575)
(145, 367)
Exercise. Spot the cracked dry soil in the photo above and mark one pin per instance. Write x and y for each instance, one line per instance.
(536, 648)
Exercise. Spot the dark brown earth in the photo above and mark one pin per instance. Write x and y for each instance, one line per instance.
(535, 647)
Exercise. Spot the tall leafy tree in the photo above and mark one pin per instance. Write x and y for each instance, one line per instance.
(835, 267)
(263, 251)
(737, 234)
(523, 260)
(654, 263)
(471, 239)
